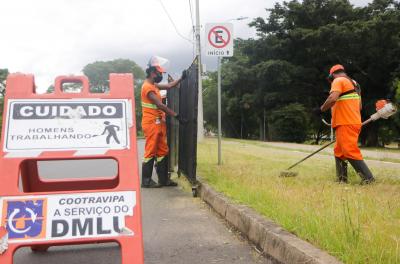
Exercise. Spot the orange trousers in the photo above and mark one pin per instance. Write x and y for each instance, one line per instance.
(156, 140)
(346, 146)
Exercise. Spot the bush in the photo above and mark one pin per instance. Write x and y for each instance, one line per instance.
(289, 123)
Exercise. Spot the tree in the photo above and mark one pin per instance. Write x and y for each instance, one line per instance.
(289, 123)
(298, 42)
(3, 77)
(99, 71)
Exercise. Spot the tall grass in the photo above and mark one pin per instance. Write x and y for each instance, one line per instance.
(357, 224)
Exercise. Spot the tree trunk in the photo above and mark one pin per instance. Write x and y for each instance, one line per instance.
(369, 135)
(319, 133)
(241, 124)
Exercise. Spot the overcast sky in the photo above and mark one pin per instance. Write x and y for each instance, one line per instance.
(57, 37)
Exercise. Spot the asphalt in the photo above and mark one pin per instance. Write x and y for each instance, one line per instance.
(177, 228)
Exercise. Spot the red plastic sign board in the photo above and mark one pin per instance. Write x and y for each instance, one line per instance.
(40, 213)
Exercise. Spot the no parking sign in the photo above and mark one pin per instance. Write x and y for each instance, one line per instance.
(219, 39)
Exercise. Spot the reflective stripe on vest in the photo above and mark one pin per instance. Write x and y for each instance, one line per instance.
(349, 97)
(159, 159)
(147, 105)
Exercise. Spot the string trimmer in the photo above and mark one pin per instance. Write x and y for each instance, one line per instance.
(384, 109)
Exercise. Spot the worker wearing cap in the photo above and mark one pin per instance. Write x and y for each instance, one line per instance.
(345, 102)
(154, 125)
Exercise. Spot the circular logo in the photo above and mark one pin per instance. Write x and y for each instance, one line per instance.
(219, 37)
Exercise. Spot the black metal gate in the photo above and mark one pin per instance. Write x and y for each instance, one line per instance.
(173, 127)
(182, 139)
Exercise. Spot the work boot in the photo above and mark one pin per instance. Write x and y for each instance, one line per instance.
(362, 170)
(162, 172)
(341, 170)
(147, 171)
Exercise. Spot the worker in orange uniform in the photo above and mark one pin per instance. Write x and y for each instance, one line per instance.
(345, 101)
(154, 124)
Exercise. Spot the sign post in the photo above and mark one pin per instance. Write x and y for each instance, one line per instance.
(219, 44)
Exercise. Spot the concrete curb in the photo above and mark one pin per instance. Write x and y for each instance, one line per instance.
(273, 240)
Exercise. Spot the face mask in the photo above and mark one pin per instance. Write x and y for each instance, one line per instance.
(330, 78)
(158, 78)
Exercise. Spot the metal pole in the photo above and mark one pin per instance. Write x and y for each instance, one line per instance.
(200, 125)
(219, 111)
(264, 136)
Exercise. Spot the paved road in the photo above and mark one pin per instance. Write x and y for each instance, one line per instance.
(374, 158)
(378, 154)
(177, 229)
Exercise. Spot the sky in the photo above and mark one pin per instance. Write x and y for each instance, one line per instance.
(49, 38)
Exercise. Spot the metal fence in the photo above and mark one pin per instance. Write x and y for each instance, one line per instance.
(173, 127)
(182, 139)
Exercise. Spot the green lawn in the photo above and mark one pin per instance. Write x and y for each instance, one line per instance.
(357, 224)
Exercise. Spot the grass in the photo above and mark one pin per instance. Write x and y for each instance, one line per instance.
(357, 224)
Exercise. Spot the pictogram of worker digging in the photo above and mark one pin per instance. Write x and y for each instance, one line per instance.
(112, 132)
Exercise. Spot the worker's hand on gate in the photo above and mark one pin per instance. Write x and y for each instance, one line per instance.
(184, 75)
(181, 120)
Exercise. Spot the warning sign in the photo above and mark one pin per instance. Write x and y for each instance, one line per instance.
(46, 125)
(219, 40)
(68, 216)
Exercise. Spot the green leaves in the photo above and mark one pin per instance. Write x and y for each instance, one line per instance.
(3, 77)
(99, 71)
(289, 123)
(298, 42)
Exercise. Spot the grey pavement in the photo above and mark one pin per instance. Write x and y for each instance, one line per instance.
(375, 158)
(177, 228)
(379, 154)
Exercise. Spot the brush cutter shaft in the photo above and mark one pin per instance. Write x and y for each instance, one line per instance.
(312, 154)
(325, 146)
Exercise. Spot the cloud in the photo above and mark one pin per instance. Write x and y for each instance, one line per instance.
(57, 37)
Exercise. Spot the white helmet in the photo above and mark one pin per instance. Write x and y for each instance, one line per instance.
(159, 63)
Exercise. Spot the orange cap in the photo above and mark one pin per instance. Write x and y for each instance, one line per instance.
(336, 68)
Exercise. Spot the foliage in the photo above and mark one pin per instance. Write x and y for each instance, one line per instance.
(289, 123)
(3, 77)
(297, 44)
(99, 71)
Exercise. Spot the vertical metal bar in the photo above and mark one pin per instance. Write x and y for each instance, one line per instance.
(200, 125)
(219, 112)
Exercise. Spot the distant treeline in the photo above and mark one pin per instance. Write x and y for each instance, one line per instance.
(271, 84)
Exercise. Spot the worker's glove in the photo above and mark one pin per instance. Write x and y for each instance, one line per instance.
(184, 75)
(317, 112)
(181, 120)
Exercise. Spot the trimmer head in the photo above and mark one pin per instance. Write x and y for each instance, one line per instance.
(288, 173)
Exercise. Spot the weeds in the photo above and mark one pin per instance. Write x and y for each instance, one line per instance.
(357, 224)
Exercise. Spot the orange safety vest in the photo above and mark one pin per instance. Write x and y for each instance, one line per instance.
(346, 110)
(150, 112)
